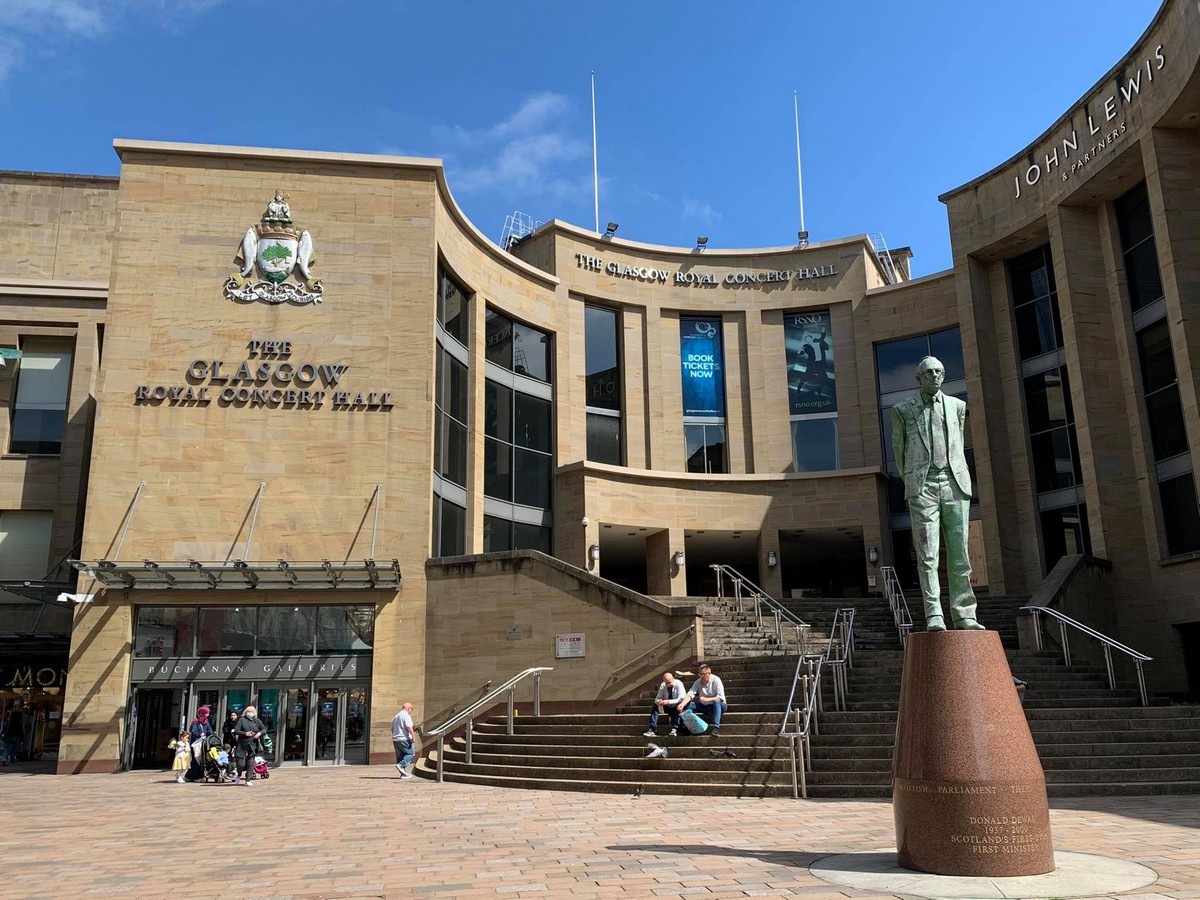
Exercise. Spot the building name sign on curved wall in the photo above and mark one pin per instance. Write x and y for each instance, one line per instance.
(266, 379)
(730, 279)
(1102, 127)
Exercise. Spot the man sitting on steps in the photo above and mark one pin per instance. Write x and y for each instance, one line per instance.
(670, 692)
(706, 698)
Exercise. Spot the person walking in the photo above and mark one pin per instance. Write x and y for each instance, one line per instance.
(404, 739)
(183, 756)
(198, 730)
(248, 730)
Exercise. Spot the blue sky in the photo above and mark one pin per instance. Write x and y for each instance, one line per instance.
(898, 102)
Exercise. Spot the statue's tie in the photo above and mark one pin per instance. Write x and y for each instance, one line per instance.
(937, 433)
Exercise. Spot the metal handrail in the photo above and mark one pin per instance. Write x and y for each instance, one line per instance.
(898, 603)
(744, 586)
(1108, 643)
(808, 679)
(468, 714)
(613, 678)
(453, 707)
(839, 652)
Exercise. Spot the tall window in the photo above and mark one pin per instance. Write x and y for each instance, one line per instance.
(1049, 419)
(1160, 385)
(702, 368)
(518, 455)
(39, 410)
(452, 418)
(812, 392)
(603, 376)
(895, 363)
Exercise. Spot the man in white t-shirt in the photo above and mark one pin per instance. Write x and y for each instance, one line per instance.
(404, 739)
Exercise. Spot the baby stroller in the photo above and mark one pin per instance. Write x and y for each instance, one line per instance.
(216, 763)
(260, 768)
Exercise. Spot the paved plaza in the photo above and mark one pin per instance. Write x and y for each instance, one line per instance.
(363, 833)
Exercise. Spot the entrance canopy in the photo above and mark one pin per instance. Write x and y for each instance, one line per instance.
(237, 574)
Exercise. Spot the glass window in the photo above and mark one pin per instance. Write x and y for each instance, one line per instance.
(1055, 465)
(499, 346)
(345, 629)
(285, 630)
(453, 465)
(497, 410)
(1168, 434)
(814, 443)
(455, 402)
(531, 479)
(705, 448)
(1048, 400)
(39, 410)
(531, 537)
(947, 347)
(532, 422)
(227, 631)
(1035, 303)
(497, 469)
(165, 631)
(497, 534)
(604, 439)
(1142, 274)
(531, 352)
(1181, 516)
(451, 529)
(896, 361)
(1064, 533)
(1031, 275)
(603, 374)
(1158, 363)
(452, 308)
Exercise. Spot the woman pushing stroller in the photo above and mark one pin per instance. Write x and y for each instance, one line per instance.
(248, 731)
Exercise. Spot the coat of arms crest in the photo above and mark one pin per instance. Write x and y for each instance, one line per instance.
(278, 248)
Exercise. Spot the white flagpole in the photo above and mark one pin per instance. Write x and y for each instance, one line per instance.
(595, 165)
(799, 177)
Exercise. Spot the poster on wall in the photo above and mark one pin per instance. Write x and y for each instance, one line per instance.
(811, 386)
(701, 367)
(569, 646)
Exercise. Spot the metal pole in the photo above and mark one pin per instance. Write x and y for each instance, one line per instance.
(537, 694)
(470, 734)
(1037, 630)
(803, 772)
(512, 693)
(375, 526)
(128, 518)
(595, 163)
(441, 754)
(254, 518)
(799, 178)
(1142, 683)
(795, 780)
(1108, 664)
(1062, 630)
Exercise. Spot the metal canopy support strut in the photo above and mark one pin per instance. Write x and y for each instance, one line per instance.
(128, 518)
(262, 485)
(377, 499)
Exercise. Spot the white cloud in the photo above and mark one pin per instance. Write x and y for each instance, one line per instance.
(700, 211)
(530, 152)
(48, 24)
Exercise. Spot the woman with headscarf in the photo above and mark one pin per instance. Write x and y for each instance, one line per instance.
(198, 731)
(248, 730)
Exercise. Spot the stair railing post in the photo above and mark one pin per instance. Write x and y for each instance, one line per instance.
(470, 735)
(1142, 683)
(537, 694)
(1062, 630)
(1108, 664)
(778, 627)
(1037, 630)
(512, 693)
(441, 755)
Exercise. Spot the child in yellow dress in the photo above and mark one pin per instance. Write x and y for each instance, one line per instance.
(183, 756)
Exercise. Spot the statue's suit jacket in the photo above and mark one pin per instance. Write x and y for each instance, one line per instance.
(912, 446)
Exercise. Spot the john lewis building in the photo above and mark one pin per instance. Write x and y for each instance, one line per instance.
(331, 418)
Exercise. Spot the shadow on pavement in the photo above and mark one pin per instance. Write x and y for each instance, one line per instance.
(798, 859)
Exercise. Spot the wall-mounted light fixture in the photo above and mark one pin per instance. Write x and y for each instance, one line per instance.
(701, 242)
(677, 558)
(594, 553)
(612, 229)
(873, 555)
(772, 559)
(802, 238)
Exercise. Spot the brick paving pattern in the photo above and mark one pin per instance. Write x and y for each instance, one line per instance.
(363, 833)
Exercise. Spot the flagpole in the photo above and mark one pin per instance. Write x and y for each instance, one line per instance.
(799, 177)
(595, 165)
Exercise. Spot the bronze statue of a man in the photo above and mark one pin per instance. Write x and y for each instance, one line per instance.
(927, 437)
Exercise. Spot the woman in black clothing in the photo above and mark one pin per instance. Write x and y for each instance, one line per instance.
(228, 738)
(248, 730)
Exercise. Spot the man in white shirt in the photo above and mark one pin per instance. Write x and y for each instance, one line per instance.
(706, 698)
(670, 692)
(404, 739)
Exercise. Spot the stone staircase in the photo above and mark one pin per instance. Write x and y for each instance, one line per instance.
(1092, 741)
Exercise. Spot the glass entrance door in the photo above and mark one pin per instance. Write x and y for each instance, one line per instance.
(155, 724)
(331, 714)
(292, 747)
(354, 746)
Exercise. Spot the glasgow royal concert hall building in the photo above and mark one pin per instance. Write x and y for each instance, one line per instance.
(285, 426)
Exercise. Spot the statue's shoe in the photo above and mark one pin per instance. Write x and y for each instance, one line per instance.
(969, 625)
(935, 623)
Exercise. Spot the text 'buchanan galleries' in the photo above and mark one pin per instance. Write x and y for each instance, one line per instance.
(267, 379)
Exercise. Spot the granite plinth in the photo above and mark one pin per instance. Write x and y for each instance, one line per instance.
(968, 791)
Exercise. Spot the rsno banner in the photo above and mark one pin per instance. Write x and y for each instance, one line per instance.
(701, 367)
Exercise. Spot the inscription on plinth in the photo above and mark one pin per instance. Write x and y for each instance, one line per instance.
(968, 791)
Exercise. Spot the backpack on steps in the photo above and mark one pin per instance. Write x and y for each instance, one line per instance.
(693, 723)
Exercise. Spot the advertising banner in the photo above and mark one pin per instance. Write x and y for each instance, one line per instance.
(811, 386)
(702, 368)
